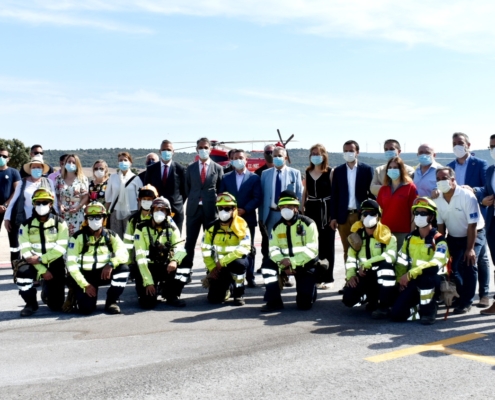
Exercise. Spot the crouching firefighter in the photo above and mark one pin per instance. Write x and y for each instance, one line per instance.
(420, 265)
(97, 257)
(226, 249)
(43, 242)
(369, 267)
(293, 250)
(158, 239)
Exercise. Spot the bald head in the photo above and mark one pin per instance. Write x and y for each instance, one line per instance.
(426, 149)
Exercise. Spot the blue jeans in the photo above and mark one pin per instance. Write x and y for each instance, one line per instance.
(465, 276)
(483, 271)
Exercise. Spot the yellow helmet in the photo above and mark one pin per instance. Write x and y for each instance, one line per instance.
(425, 202)
(226, 199)
(42, 194)
(95, 208)
(148, 191)
(288, 197)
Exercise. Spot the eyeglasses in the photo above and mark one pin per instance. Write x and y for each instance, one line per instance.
(95, 217)
(422, 213)
(38, 153)
(269, 152)
(99, 169)
(42, 203)
(228, 209)
(372, 213)
(226, 197)
(420, 201)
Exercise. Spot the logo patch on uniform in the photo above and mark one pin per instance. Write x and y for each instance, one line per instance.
(71, 245)
(281, 236)
(473, 215)
(442, 249)
(136, 237)
(20, 231)
(378, 245)
(53, 230)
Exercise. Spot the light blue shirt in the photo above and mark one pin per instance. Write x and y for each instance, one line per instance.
(239, 177)
(460, 171)
(426, 182)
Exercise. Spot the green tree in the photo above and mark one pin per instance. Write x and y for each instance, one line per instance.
(18, 152)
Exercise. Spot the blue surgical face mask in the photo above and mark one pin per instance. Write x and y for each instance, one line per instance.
(393, 173)
(124, 165)
(278, 161)
(204, 154)
(238, 164)
(3, 162)
(424, 159)
(389, 154)
(70, 167)
(166, 155)
(36, 172)
(316, 160)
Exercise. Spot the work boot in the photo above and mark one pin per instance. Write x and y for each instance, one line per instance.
(427, 319)
(112, 308)
(175, 302)
(251, 283)
(484, 302)
(381, 313)
(462, 310)
(272, 307)
(29, 309)
(239, 301)
(489, 311)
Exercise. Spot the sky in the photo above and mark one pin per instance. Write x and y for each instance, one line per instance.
(124, 73)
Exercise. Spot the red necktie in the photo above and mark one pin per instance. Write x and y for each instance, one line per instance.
(203, 173)
(164, 177)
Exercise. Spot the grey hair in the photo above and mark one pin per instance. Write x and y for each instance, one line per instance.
(457, 134)
(282, 149)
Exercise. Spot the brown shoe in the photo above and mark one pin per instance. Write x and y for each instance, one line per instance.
(484, 302)
(489, 311)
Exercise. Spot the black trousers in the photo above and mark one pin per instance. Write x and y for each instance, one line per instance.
(231, 277)
(170, 286)
(378, 285)
(422, 291)
(250, 268)
(305, 284)
(201, 218)
(13, 235)
(54, 289)
(117, 281)
(179, 220)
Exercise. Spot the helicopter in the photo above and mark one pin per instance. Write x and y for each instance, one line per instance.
(220, 151)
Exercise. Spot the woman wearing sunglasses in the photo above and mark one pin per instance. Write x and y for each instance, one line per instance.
(43, 241)
(422, 257)
(98, 185)
(395, 198)
(370, 262)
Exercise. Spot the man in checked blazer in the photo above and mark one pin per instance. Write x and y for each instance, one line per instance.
(203, 178)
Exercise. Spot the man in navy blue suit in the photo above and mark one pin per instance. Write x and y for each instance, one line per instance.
(471, 171)
(245, 186)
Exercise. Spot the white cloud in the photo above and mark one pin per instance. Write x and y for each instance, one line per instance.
(461, 25)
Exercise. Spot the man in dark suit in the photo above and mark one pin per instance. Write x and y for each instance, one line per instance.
(471, 171)
(36, 150)
(350, 187)
(245, 186)
(151, 159)
(169, 177)
(203, 178)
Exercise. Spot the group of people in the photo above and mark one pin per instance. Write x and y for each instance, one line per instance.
(398, 225)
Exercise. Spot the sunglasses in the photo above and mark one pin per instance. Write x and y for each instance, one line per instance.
(38, 153)
(269, 152)
(95, 218)
(4, 156)
(99, 169)
(42, 203)
(371, 213)
(421, 213)
(228, 209)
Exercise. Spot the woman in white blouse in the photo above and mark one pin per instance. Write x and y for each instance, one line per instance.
(20, 208)
(121, 196)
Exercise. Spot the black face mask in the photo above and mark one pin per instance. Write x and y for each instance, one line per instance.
(269, 158)
(150, 162)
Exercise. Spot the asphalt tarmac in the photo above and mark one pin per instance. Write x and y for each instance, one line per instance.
(226, 352)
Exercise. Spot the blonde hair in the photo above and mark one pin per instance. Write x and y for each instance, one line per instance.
(105, 165)
(79, 171)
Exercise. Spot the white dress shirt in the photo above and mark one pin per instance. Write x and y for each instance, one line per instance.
(239, 177)
(351, 183)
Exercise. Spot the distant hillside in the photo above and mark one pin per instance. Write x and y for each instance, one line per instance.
(299, 157)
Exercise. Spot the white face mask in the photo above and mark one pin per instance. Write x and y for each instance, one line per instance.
(421, 221)
(99, 174)
(287, 213)
(492, 153)
(224, 215)
(146, 204)
(95, 224)
(159, 216)
(460, 151)
(443, 186)
(349, 156)
(370, 221)
(42, 210)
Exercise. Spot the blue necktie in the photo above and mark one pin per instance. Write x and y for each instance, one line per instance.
(278, 186)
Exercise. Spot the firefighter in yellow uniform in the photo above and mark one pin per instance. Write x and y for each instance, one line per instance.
(97, 257)
(43, 242)
(226, 249)
(420, 266)
(159, 253)
(370, 263)
(293, 250)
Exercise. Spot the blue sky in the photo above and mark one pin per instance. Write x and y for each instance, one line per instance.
(107, 73)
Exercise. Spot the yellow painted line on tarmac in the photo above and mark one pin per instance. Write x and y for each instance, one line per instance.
(469, 356)
(435, 346)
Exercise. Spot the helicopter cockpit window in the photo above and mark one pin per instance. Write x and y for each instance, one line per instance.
(218, 159)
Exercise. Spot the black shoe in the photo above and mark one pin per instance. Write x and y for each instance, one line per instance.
(380, 313)
(239, 301)
(462, 310)
(288, 284)
(271, 307)
(29, 310)
(427, 319)
(371, 307)
(341, 291)
(189, 279)
(251, 283)
(112, 308)
(176, 302)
